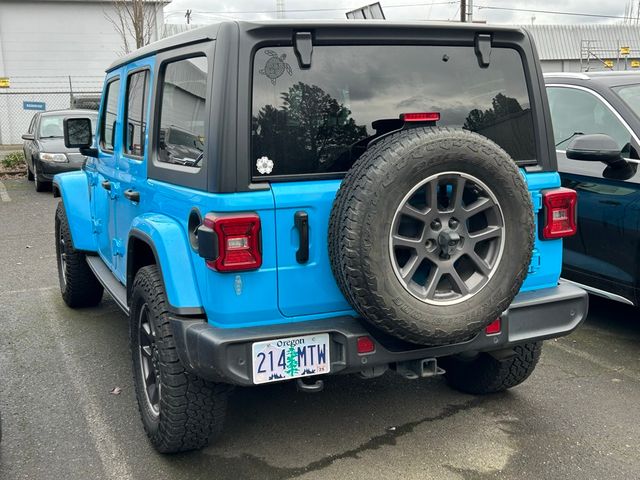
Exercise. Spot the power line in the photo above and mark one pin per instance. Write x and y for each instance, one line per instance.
(301, 10)
(479, 7)
(551, 12)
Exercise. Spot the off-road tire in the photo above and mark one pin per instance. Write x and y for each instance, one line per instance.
(191, 410)
(360, 223)
(485, 374)
(41, 185)
(78, 284)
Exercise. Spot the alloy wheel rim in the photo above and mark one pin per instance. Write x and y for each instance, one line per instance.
(63, 256)
(149, 361)
(447, 238)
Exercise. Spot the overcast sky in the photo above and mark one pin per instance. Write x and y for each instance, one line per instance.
(205, 11)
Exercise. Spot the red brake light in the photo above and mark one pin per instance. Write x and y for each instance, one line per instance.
(420, 117)
(366, 345)
(494, 327)
(559, 210)
(238, 238)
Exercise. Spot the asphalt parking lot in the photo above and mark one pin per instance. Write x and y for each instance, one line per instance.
(578, 416)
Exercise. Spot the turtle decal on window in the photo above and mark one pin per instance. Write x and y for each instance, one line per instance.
(275, 66)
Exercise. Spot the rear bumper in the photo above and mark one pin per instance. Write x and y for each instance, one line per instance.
(224, 355)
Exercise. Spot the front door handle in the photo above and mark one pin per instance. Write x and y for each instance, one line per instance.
(132, 195)
(301, 222)
(106, 184)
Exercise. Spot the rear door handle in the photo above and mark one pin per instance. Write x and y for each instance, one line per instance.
(132, 195)
(106, 184)
(301, 222)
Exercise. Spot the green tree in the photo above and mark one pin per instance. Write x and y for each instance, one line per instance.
(292, 361)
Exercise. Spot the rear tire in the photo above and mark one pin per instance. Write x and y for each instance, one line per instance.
(179, 410)
(486, 374)
(78, 284)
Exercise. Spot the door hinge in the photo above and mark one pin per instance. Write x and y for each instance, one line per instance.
(115, 190)
(97, 225)
(483, 49)
(534, 265)
(117, 248)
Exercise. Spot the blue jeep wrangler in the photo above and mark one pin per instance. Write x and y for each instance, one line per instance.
(275, 201)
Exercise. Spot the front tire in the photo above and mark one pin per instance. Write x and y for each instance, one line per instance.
(179, 410)
(486, 374)
(41, 185)
(29, 174)
(78, 284)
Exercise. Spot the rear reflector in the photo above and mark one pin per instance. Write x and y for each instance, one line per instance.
(559, 211)
(238, 238)
(366, 345)
(420, 117)
(494, 327)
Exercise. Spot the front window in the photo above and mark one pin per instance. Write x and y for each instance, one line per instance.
(579, 112)
(319, 120)
(109, 116)
(630, 94)
(52, 126)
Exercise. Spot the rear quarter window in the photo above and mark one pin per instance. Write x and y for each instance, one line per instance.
(319, 120)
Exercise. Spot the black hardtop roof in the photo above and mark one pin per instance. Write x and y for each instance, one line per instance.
(210, 32)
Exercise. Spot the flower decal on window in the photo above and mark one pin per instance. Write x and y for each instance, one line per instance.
(264, 165)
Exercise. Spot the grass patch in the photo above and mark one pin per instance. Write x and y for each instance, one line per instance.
(13, 160)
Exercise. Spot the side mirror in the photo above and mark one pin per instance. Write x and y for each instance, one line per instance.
(28, 136)
(595, 147)
(77, 133)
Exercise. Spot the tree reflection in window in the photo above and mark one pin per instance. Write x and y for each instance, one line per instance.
(310, 132)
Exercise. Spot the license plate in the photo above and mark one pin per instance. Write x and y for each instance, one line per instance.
(293, 357)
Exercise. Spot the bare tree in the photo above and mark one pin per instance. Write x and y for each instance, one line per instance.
(134, 20)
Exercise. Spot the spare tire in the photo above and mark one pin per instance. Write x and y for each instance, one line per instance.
(431, 234)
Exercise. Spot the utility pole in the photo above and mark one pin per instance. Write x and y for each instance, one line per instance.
(469, 10)
(463, 10)
(188, 15)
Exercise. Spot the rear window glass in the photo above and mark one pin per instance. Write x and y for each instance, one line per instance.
(319, 120)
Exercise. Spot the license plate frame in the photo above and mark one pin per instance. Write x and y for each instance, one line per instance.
(271, 360)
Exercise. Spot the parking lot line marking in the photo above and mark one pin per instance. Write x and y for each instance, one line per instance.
(27, 290)
(111, 455)
(619, 370)
(4, 195)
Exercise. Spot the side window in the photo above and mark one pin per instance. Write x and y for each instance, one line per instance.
(136, 113)
(181, 137)
(109, 115)
(575, 111)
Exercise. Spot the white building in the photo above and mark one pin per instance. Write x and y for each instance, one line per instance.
(52, 48)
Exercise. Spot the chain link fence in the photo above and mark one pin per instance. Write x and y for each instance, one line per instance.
(27, 96)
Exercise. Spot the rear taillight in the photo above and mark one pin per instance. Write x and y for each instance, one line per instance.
(237, 240)
(559, 213)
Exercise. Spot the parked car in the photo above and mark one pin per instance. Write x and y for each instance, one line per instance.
(306, 203)
(596, 117)
(44, 149)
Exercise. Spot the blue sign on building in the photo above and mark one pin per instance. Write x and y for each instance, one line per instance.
(26, 105)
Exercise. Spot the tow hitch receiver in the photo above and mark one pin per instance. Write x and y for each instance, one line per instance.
(414, 369)
(316, 387)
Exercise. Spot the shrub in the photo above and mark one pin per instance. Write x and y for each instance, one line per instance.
(13, 160)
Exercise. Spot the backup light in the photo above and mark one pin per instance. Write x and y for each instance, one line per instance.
(559, 211)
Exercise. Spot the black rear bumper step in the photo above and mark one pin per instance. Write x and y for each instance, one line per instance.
(224, 354)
